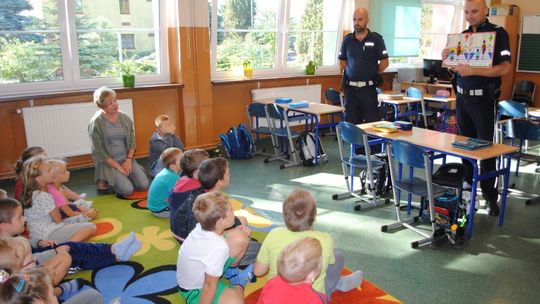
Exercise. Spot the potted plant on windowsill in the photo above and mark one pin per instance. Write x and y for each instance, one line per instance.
(248, 69)
(310, 68)
(128, 68)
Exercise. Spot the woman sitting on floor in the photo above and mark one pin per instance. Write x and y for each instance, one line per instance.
(113, 146)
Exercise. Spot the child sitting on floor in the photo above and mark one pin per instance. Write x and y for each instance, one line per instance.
(162, 139)
(164, 182)
(25, 155)
(33, 286)
(43, 218)
(299, 264)
(299, 212)
(82, 255)
(206, 254)
(189, 162)
(56, 189)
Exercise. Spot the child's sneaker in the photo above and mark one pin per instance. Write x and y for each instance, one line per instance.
(245, 276)
(231, 272)
(83, 203)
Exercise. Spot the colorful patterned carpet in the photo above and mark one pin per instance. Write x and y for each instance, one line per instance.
(150, 276)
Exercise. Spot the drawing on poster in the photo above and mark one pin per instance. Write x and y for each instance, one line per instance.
(473, 49)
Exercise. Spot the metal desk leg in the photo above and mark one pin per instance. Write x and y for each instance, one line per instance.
(506, 178)
(473, 199)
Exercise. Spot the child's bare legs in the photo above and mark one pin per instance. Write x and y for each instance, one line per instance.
(238, 241)
(83, 234)
(232, 296)
(58, 267)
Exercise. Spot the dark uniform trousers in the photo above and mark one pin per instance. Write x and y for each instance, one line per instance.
(361, 104)
(476, 119)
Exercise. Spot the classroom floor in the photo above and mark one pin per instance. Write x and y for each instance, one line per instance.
(499, 264)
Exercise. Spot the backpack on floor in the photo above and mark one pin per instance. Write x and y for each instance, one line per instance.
(306, 148)
(381, 177)
(237, 142)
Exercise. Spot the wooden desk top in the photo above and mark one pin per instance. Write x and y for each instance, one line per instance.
(436, 140)
(387, 98)
(313, 108)
(439, 99)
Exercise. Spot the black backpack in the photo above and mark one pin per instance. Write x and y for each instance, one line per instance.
(381, 177)
(185, 220)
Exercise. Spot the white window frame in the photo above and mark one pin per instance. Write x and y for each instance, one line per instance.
(70, 62)
(282, 32)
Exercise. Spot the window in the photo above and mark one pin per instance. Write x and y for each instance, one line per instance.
(128, 41)
(124, 7)
(277, 37)
(420, 27)
(38, 54)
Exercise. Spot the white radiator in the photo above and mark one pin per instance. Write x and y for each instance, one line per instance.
(311, 93)
(62, 130)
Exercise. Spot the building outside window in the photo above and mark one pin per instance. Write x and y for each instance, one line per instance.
(38, 56)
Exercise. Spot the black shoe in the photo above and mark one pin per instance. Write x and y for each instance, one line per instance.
(493, 208)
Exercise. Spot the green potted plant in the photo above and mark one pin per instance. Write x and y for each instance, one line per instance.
(310, 68)
(128, 68)
(248, 69)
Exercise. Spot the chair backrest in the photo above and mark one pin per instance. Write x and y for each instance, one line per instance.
(256, 109)
(522, 129)
(511, 108)
(379, 90)
(351, 133)
(275, 112)
(408, 154)
(333, 97)
(524, 92)
(414, 93)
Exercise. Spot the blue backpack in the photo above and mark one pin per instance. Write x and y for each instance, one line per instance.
(237, 142)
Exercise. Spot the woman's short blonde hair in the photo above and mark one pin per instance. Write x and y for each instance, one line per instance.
(101, 94)
(299, 259)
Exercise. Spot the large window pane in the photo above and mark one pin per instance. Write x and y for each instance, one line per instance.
(435, 27)
(313, 28)
(108, 33)
(246, 31)
(29, 42)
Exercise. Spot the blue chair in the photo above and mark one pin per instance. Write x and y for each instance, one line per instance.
(411, 156)
(258, 124)
(514, 110)
(335, 98)
(350, 137)
(416, 93)
(522, 130)
(523, 92)
(283, 135)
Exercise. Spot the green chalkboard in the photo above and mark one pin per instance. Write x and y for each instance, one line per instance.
(529, 50)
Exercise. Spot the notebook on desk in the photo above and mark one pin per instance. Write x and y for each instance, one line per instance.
(472, 144)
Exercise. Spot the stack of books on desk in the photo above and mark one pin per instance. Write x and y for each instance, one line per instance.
(472, 144)
(385, 127)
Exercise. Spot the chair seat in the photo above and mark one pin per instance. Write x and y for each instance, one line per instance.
(418, 187)
(262, 130)
(282, 132)
(360, 161)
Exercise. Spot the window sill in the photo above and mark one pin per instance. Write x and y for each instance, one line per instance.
(234, 80)
(80, 92)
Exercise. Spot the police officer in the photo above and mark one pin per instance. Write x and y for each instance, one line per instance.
(478, 90)
(363, 57)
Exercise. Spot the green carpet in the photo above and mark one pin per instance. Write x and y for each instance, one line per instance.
(150, 276)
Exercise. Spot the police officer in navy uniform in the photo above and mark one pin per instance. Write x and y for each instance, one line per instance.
(478, 90)
(363, 57)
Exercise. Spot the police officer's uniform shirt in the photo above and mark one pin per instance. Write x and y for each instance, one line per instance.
(362, 56)
(501, 54)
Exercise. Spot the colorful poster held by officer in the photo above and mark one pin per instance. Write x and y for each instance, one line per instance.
(473, 49)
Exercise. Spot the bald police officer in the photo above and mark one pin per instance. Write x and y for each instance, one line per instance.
(478, 90)
(362, 57)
